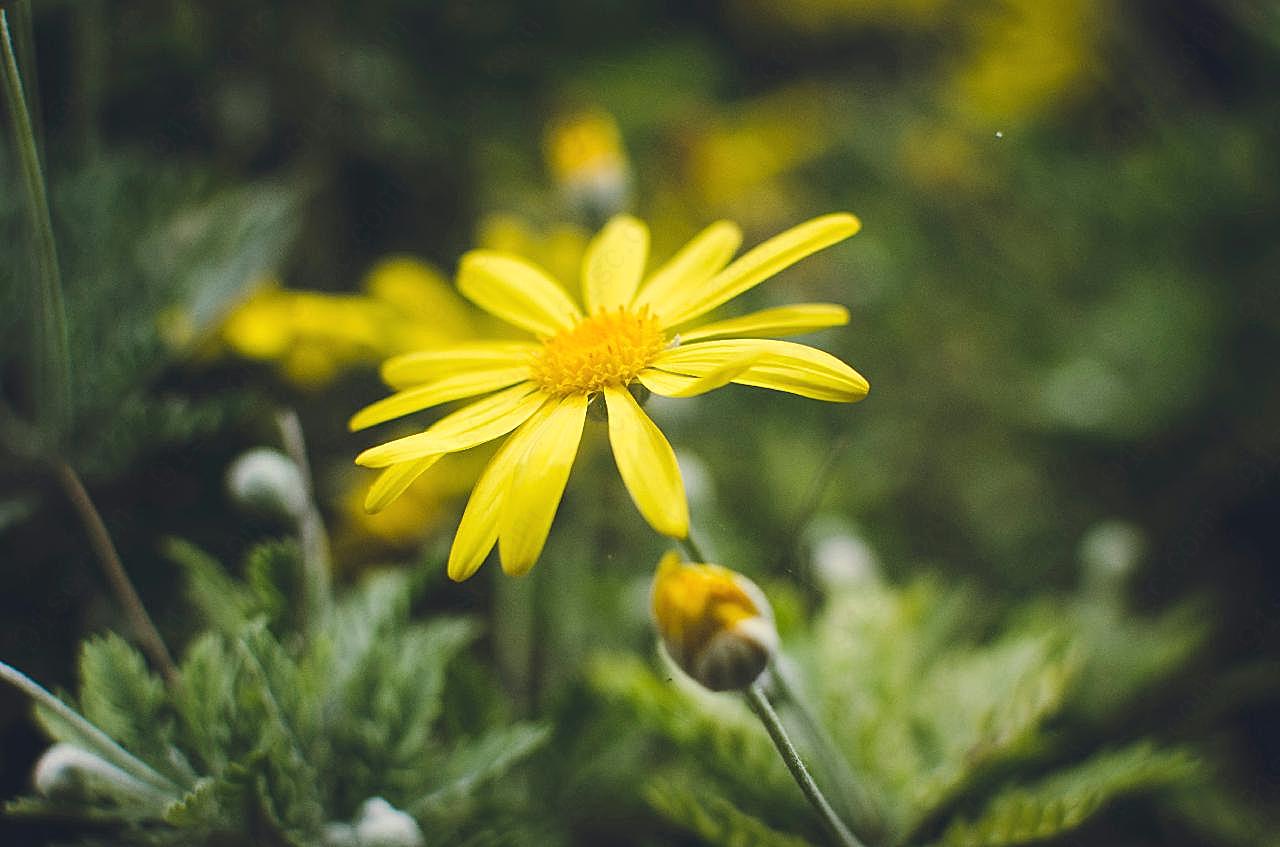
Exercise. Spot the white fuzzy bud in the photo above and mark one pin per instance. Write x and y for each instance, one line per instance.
(266, 480)
(382, 825)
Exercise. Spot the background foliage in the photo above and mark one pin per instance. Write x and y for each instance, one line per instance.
(1028, 585)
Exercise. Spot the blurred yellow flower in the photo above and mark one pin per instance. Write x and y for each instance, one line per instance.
(738, 156)
(715, 624)
(313, 336)
(558, 249)
(586, 158)
(1027, 56)
(624, 333)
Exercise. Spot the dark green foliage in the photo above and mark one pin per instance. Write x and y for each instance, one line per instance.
(935, 715)
(266, 743)
(152, 256)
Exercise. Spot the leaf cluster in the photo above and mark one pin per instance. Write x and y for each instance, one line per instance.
(276, 735)
(927, 723)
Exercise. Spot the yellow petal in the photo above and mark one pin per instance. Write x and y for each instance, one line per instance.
(757, 265)
(478, 530)
(483, 420)
(647, 465)
(782, 366)
(614, 263)
(678, 385)
(517, 291)
(410, 369)
(795, 319)
(687, 270)
(440, 391)
(537, 483)
(393, 481)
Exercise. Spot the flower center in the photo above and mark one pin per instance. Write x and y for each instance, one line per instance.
(607, 349)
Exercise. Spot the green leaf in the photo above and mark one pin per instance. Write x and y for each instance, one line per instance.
(1065, 800)
(713, 817)
(223, 601)
(120, 696)
(478, 762)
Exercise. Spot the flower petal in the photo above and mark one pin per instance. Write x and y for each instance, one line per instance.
(517, 291)
(420, 366)
(537, 484)
(478, 530)
(614, 263)
(795, 319)
(483, 420)
(393, 481)
(678, 385)
(684, 273)
(440, 391)
(647, 465)
(758, 264)
(782, 366)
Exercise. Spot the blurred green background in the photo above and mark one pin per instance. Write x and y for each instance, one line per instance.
(1064, 296)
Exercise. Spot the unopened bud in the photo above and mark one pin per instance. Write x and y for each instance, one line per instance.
(67, 773)
(715, 623)
(268, 481)
(382, 825)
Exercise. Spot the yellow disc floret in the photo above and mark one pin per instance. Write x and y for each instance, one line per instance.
(608, 349)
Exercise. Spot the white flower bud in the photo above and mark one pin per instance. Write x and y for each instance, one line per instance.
(266, 480)
(380, 824)
(68, 773)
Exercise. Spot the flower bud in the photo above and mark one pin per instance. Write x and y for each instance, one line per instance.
(715, 624)
(67, 773)
(382, 825)
(267, 481)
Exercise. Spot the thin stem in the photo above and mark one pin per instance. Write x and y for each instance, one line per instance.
(858, 803)
(52, 355)
(100, 539)
(101, 743)
(692, 550)
(840, 834)
(316, 563)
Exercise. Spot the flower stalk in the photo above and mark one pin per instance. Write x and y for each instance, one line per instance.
(759, 704)
(143, 627)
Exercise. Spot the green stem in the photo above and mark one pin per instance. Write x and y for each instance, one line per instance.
(92, 737)
(52, 354)
(105, 549)
(858, 804)
(692, 550)
(759, 703)
(316, 560)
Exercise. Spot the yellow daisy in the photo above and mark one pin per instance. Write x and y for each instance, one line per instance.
(629, 329)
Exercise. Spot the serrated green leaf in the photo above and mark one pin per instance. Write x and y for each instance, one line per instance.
(223, 601)
(480, 761)
(1065, 800)
(713, 817)
(120, 696)
(273, 570)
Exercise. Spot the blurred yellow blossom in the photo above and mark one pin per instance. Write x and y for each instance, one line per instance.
(1028, 56)
(558, 248)
(715, 624)
(313, 336)
(738, 156)
(588, 162)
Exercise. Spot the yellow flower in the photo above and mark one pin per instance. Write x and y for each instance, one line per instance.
(314, 336)
(715, 624)
(625, 333)
(585, 155)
